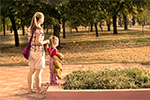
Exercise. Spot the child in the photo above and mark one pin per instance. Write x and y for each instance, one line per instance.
(54, 42)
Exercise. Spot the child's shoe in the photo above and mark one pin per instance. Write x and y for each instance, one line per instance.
(55, 83)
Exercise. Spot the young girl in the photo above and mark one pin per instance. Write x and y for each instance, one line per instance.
(37, 54)
(54, 42)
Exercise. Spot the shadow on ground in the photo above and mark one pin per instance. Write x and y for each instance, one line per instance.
(24, 95)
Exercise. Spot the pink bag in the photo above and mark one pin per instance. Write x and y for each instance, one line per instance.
(26, 50)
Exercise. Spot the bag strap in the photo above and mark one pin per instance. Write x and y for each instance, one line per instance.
(32, 36)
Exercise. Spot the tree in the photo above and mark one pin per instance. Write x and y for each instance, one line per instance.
(113, 7)
(8, 9)
(4, 25)
(55, 13)
(143, 17)
(85, 13)
(133, 20)
(128, 9)
(120, 20)
(143, 8)
(23, 14)
(64, 15)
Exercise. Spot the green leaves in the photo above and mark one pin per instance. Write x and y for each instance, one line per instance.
(129, 78)
(76, 12)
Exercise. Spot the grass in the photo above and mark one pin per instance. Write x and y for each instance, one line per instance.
(131, 46)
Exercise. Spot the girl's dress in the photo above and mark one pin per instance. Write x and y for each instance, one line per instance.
(52, 52)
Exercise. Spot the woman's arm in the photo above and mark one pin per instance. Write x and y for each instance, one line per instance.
(41, 43)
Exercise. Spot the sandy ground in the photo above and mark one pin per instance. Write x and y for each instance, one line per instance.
(14, 84)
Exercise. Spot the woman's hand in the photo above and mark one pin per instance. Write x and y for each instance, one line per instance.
(47, 46)
(47, 42)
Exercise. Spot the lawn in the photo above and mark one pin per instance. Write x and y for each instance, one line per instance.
(130, 46)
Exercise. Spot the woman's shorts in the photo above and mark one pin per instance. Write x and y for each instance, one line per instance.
(37, 60)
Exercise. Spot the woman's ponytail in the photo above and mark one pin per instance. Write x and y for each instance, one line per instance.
(34, 21)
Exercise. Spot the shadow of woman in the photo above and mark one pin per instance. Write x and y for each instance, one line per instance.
(24, 95)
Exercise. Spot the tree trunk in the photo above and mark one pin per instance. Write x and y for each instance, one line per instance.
(108, 25)
(133, 20)
(91, 27)
(76, 29)
(46, 29)
(64, 31)
(100, 25)
(23, 31)
(15, 30)
(96, 30)
(125, 22)
(120, 22)
(142, 28)
(4, 25)
(11, 29)
(115, 24)
(57, 31)
(22, 25)
(8, 27)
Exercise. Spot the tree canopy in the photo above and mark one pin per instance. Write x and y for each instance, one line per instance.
(74, 12)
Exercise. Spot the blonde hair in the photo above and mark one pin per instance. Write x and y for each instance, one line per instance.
(52, 40)
(34, 21)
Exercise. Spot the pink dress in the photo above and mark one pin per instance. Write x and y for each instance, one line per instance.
(52, 52)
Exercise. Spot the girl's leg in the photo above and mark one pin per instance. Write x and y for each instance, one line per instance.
(30, 79)
(53, 78)
(38, 78)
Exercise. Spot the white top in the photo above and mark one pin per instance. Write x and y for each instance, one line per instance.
(34, 47)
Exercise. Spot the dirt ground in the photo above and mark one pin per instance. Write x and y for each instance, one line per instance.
(82, 50)
(130, 46)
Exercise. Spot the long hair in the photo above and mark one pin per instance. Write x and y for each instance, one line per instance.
(34, 21)
(52, 40)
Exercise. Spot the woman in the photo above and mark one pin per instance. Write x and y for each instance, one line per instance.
(37, 53)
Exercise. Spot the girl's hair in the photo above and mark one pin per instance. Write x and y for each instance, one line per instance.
(52, 40)
(34, 21)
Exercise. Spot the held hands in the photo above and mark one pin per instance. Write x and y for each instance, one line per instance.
(47, 42)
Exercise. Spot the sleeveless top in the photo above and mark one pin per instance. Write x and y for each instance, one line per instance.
(34, 47)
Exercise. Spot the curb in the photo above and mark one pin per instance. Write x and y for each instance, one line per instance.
(56, 93)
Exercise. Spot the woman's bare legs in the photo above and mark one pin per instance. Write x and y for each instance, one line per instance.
(30, 79)
(38, 79)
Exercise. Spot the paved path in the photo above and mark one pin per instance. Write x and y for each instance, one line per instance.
(13, 80)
